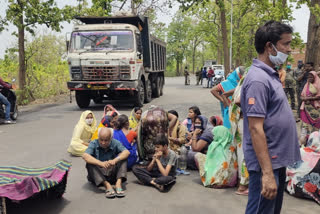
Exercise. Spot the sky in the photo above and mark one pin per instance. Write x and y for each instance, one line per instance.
(300, 24)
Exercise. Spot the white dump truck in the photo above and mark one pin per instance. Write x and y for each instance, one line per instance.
(115, 58)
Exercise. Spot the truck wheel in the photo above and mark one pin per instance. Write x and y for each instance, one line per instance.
(157, 88)
(148, 92)
(82, 99)
(161, 85)
(139, 96)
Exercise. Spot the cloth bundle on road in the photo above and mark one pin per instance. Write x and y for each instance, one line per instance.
(20, 183)
(154, 121)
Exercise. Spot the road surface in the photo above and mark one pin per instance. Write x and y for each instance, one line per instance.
(41, 137)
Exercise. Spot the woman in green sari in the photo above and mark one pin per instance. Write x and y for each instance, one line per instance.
(220, 169)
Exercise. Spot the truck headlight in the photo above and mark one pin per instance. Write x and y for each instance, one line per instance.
(76, 76)
(125, 76)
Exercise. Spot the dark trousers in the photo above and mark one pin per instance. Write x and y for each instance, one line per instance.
(257, 204)
(299, 101)
(146, 176)
(98, 175)
(290, 92)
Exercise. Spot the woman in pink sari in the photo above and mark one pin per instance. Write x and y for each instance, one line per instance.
(310, 108)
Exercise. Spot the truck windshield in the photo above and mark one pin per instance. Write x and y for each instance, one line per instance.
(101, 40)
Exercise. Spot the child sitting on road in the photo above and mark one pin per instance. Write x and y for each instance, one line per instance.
(161, 170)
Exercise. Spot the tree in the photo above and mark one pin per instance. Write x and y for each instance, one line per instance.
(26, 15)
(313, 44)
(177, 38)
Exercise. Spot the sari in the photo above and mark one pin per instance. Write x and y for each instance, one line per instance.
(133, 121)
(133, 157)
(310, 111)
(303, 177)
(235, 121)
(230, 83)
(220, 169)
(111, 112)
(82, 133)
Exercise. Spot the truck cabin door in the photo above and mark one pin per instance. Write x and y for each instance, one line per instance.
(139, 46)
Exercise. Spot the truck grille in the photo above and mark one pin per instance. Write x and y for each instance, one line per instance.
(100, 73)
(105, 72)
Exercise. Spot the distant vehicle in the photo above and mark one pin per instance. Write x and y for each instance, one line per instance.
(115, 58)
(209, 63)
(219, 70)
(12, 98)
(217, 79)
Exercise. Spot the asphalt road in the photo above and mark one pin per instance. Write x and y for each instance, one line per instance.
(42, 135)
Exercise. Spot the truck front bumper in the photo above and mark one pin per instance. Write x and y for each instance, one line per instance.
(103, 85)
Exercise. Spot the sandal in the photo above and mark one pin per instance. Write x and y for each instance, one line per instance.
(244, 193)
(110, 193)
(120, 193)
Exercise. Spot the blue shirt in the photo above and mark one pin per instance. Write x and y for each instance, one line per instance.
(262, 96)
(114, 149)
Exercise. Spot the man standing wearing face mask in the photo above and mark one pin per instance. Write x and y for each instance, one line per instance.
(270, 141)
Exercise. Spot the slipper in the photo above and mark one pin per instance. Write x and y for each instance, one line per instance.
(244, 193)
(110, 193)
(120, 193)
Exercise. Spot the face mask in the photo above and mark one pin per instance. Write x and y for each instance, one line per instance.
(89, 121)
(279, 59)
(288, 66)
(197, 126)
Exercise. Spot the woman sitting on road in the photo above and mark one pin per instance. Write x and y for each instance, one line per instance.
(127, 138)
(109, 110)
(303, 178)
(107, 121)
(134, 118)
(178, 136)
(82, 133)
(310, 107)
(200, 140)
(218, 168)
(194, 112)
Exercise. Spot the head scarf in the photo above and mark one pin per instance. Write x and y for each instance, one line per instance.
(217, 120)
(204, 122)
(90, 128)
(111, 113)
(133, 121)
(106, 121)
(315, 85)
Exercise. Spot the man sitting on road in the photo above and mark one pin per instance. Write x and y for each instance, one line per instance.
(106, 160)
(5, 101)
(162, 169)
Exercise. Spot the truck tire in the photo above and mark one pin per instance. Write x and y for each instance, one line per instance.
(161, 85)
(156, 92)
(148, 92)
(82, 99)
(139, 95)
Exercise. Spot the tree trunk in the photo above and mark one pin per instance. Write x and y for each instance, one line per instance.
(224, 34)
(177, 68)
(194, 57)
(22, 66)
(313, 44)
(133, 7)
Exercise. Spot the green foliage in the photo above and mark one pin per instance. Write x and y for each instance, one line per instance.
(47, 71)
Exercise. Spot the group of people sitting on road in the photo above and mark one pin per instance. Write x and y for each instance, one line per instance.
(149, 144)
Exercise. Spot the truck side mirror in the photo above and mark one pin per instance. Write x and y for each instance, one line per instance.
(139, 55)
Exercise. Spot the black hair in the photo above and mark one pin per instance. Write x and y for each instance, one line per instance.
(310, 63)
(161, 139)
(136, 109)
(174, 112)
(270, 32)
(196, 110)
(121, 122)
